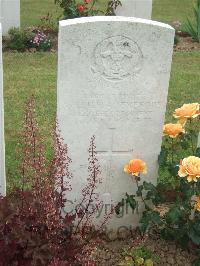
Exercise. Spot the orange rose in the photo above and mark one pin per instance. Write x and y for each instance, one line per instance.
(135, 167)
(190, 168)
(190, 110)
(173, 130)
(197, 203)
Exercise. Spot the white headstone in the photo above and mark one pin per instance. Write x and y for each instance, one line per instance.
(2, 145)
(135, 8)
(9, 15)
(113, 75)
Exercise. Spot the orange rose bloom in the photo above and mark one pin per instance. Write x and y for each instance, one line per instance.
(173, 130)
(197, 204)
(190, 110)
(190, 168)
(135, 167)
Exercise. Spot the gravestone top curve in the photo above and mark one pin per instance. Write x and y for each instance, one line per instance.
(113, 19)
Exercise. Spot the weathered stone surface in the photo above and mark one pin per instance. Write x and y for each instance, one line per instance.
(113, 75)
(2, 145)
(135, 8)
(9, 15)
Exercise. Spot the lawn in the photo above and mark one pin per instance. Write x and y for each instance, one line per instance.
(32, 11)
(185, 80)
(27, 74)
(163, 10)
(172, 10)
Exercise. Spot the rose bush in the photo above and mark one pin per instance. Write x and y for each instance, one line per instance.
(85, 8)
(176, 217)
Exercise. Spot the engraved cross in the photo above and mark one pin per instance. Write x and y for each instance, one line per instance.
(112, 152)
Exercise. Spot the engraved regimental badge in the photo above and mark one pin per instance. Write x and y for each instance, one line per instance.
(117, 57)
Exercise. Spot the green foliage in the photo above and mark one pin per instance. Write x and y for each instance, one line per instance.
(181, 221)
(193, 28)
(18, 39)
(40, 41)
(111, 7)
(174, 149)
(129, 200)
(162, 158)
(175, 213)
(21, 40)
(85, 8)
(194, 232)
(73, 9)
(49, 23)
(152, 193)
(138, 256)
(149, 219)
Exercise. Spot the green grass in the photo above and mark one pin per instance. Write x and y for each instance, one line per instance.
(163, 10)
(172, 10)
(27, 74)
(32, 11)
(185, 81)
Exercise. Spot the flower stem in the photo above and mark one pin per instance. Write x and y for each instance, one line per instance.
(141, 196)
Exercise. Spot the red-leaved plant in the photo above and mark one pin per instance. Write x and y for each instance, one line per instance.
(34, 227)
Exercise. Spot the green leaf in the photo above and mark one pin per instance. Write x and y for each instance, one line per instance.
(155, 216)
(145, 222)
(194, 235)
(132, 202)
(149, 186)
(119, 206)
(194, 28)
(186, 189)
(194, 230)
(149, 219)
(174, 215)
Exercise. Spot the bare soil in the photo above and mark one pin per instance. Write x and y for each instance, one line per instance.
(109, 253)
(186, 44)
